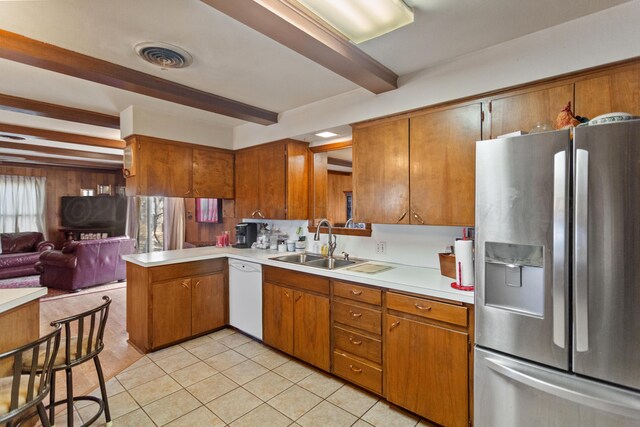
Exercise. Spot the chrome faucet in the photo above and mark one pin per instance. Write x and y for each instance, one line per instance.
(349, 222)
(332, 238)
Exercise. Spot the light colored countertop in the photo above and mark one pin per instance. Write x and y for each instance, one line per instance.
(418, 280)
(12, 298)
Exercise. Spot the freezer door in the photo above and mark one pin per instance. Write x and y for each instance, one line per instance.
(606, 281)
(509, 392)
(521, 253)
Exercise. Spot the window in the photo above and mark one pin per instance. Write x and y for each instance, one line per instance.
(151, 224)
(22, 204)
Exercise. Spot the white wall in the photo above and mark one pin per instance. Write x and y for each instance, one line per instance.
(600, 38)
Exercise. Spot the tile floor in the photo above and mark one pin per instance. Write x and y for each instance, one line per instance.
(227, 378)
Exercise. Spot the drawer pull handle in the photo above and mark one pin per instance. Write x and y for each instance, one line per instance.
(286, 293)
(354, 342)
(422, 307)
(298, 297)
(197, 283)
(354, 292)
(355, 315)
(354, 369)
(394, 325)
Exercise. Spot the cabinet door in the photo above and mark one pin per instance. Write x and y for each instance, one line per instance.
(523, 111)
(616, 91)
(166, 169)
(442, 172)
(272, 181)
(277, 317)
(381, 173)
(208, 303)
(426, 370)
(212, 174)
(247, 182)
(171, 311)
(311, 333)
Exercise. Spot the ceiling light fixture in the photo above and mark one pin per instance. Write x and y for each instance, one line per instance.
(326, 134)
(361, 20)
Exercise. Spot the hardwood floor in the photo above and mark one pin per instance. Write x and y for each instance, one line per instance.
(117, 354)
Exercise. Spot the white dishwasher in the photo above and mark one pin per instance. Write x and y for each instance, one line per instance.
(245, 297)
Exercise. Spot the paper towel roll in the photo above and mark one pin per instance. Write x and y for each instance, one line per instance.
(464, 262)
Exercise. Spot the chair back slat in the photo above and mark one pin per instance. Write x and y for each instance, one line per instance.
(80, 337)
(92, 326)
(35, 354)
(17, 378)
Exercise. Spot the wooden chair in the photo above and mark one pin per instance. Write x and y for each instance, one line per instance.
(30, 383)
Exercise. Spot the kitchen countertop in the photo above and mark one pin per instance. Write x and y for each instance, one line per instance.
(12, 298)
(418, 280)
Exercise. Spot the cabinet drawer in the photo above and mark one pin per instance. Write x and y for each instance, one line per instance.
(360, 345)
(358, 317)
(367, 376)
(357, 293)
(186, 269)
(294, 279)
(428, 308)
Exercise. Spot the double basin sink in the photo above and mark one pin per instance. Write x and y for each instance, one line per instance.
(318, 261)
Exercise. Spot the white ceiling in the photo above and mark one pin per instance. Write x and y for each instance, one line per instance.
(235, 61)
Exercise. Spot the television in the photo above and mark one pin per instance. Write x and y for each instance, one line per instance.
(209, 210)
(94, 212)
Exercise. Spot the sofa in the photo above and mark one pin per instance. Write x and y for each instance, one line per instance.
(20, 253)
(84, 263)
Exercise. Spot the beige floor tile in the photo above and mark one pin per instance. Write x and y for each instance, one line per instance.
(177, 361)
(194, 373)
(225, 360)
(171, 407)
(294, 371)
(268, 385)
(166, 352)
(270, 359)
(113, 387)
(154, 390)
(119, 405)
(353, 400)
(263, 415)
(221, 333)
(137, 418)
(195, 342)
(362, 423)
(245, 372)
(233, 405)
(138, 363)
(141, 375)
(234, 340)
(61, 419)
(212, 387)
(209, 349)
(294, 402)
(327, 414)
(385, 414)
(200, 417)
(321, 384)
(251, 349)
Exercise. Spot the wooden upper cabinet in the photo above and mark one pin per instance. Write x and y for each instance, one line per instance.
(272, 181)
(442, 172)
(381, 172)
(212, 174)
(616, 91)
(522, 111)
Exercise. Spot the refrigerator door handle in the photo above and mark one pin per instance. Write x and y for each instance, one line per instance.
(559, 242)
(581, 251)
(610, 401)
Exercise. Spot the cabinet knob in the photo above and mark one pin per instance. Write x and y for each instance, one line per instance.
(354, 369)
(354, 314)
(185, 284)
(422, 307)
(197, 283)
(402, 216)
(354, 292)
(354, 342)
(394, 325)
(286, 293)
(417, 217)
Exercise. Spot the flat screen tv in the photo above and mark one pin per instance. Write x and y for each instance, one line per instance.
(94, 212)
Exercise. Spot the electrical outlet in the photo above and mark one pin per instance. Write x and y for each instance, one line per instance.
(381, 248)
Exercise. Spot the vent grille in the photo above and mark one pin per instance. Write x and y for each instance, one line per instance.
(164, 55)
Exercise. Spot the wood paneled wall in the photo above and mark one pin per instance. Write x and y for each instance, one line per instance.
(63, 181)
(196, 232)
(337, 184)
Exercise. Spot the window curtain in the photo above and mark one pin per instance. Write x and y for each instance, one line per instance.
(174, 223)
(132, 227)
(22, 204)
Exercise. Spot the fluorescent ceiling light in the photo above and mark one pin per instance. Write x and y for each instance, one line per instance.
(326, 134)
(362, 20)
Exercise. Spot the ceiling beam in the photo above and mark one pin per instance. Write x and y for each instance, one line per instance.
(56, 161)
(310, 37)
(58, 151)
(60, 112)
(53, 58)
(52, 135)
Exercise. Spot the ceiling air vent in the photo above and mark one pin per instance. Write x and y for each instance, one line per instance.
(163, 55)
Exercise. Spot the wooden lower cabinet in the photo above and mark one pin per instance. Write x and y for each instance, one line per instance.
(311, 336)
(208, 303)
(171, 312)
(426, 370)
(277, 319)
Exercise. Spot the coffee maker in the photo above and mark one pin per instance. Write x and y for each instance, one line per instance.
(246, 234)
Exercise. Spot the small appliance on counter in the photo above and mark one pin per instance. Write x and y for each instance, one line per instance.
(246, 235)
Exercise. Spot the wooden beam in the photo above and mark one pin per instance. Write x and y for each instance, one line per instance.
(306, 34)
(339, 162)
(52, 135)
(57, 161)
(49, 57)
(60, 112)
(59, 151)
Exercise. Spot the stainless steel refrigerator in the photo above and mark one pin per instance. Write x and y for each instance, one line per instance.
(558, 278)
